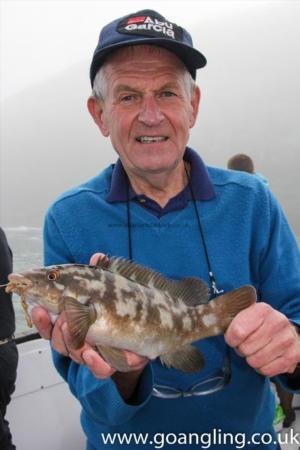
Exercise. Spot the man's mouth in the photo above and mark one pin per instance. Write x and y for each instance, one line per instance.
(151, 139)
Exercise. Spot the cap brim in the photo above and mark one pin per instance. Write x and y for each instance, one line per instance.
(191, 57)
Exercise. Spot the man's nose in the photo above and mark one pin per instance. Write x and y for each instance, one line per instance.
(150, 113)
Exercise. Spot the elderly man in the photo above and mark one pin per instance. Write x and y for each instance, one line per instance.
(162, 207)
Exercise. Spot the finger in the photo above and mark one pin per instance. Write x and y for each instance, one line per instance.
(99, 259)
(276, 333)
(255, 342)
(42, 322)
(274, 327)
(245, 323)
(265, 356)
(75, 354)
(100, 368)
(279, 356)
(276, 367)
(135, 362)
(57, 341)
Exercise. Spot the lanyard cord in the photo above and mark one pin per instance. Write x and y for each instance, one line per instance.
(129, 223)
(213, 285)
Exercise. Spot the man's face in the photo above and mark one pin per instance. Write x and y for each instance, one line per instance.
(148, 109)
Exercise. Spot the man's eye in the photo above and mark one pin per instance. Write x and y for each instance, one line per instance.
(168, 94)
(128, 98)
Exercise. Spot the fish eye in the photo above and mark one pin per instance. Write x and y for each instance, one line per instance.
(53, 275)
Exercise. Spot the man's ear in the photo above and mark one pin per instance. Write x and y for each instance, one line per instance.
(195, 102)
(96, 110)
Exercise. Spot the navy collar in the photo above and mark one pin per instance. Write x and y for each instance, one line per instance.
(201, 184)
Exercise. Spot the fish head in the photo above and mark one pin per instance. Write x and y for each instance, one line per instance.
(39, 286)
(46, 286)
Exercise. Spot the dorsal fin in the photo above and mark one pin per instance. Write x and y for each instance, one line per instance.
(192, 291)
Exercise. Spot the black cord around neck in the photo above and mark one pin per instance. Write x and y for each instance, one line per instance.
(213, 284)
(129, 223)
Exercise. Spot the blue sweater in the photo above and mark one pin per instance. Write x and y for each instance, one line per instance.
(248, 240)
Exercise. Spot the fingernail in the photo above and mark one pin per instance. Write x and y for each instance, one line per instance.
(88, 358)
(95, 258)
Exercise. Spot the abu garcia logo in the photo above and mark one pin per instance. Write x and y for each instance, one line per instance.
(148, 24)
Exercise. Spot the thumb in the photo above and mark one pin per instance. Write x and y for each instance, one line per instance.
(42, 322)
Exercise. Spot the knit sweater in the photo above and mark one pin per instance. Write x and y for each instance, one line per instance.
(249, 242)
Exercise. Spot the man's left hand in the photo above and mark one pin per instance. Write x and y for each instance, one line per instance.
(266, 338)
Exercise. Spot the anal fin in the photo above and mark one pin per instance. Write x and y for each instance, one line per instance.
(114, 357)
(187, 359)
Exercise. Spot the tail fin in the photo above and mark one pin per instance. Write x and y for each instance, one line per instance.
(233, 302)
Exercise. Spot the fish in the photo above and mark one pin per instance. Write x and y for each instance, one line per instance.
(119, 305)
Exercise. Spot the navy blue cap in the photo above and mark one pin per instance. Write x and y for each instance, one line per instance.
(146, 27)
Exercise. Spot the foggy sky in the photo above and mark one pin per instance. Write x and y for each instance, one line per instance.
(250, 104)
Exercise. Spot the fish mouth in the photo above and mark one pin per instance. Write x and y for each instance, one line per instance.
(17, 283)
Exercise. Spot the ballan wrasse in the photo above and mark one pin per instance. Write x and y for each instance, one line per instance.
(119, 305)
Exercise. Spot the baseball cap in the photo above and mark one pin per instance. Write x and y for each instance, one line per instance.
(146, 27)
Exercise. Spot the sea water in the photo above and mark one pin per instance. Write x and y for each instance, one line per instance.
(27, 247)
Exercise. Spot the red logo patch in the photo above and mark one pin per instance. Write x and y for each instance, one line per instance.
(136, 19)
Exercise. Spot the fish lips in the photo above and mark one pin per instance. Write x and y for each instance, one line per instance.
(18, 283)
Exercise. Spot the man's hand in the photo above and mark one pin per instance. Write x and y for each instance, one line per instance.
(266, 338)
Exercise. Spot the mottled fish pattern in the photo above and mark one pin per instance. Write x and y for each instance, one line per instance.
(122, 305)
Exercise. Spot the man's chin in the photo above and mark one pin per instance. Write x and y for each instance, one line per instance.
(155, 168)
(158, 163)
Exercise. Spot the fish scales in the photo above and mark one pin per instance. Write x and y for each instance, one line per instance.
(139, 311)
(123, 305)
(124, 298)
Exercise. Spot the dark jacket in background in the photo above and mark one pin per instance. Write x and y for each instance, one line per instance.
(8, 350)
(7, 315)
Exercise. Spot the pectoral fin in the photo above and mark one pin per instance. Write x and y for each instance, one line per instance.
(79, 318)
(114, 357)
(187, 359)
